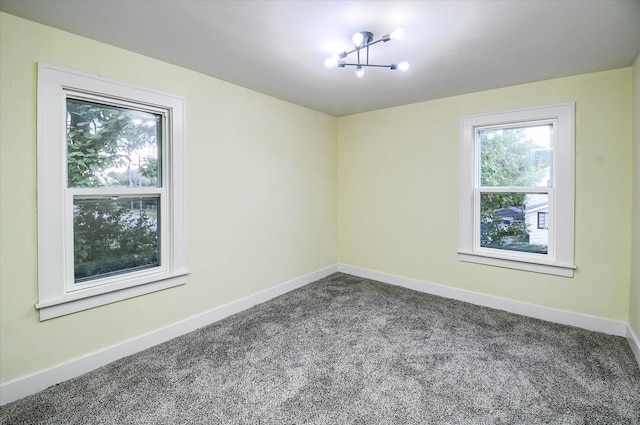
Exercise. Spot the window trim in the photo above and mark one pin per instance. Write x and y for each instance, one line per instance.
(560, 259)
(54, 221)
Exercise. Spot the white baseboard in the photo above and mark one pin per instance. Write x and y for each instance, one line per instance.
(634, 343)
(31, 384)
(585, 321)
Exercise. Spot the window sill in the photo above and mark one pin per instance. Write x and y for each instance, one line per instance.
(75, 302)
(554, 268)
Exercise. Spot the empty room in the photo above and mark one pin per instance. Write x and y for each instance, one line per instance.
(319, 212)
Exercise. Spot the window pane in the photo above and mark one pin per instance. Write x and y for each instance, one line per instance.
(114, 236)
(520, 156)
(109, 146)
(510, 221)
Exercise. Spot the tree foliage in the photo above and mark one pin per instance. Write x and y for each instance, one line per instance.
(101, 137)
(508, 160)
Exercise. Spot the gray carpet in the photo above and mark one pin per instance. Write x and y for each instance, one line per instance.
(346, 350)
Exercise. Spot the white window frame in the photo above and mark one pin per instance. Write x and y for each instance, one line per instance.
(560, 257)
(57, 295)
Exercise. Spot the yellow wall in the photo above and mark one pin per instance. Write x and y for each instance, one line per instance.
(398, 193)
(261, 188)
(634, 297)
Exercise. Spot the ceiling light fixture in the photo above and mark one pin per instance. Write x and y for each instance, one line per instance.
(363, 40)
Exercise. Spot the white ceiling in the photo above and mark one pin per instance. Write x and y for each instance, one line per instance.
(279, 47)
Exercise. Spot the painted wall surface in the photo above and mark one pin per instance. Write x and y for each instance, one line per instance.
(398, 194)
(261, 190)
(634, 296)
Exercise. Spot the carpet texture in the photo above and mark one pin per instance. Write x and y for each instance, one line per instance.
(346, 350)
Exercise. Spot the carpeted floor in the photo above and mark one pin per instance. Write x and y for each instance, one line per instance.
(346, 350)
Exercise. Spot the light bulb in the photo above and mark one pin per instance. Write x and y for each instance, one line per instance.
(357, 39)
(397, 34)
(403, 66)
(359, 71)
(331, 62)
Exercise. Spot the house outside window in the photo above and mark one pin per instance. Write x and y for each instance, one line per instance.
(111, 220)
(516, 167)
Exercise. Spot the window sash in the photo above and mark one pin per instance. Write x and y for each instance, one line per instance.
(165, 131)
(164, 242)
(502, 253)
(520, 124)
(480, 189)
(121, 191)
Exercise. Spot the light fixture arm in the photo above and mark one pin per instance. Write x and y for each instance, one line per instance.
(356, 49)
(343, 64)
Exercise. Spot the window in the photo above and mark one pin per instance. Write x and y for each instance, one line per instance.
(517, 170)
(542, 220)
(111, 218)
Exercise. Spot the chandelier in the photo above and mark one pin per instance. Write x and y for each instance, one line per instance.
(362, 41)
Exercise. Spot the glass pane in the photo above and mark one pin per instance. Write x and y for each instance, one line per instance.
(114, 236)
(109, 146)
(520, 156)
(511, 221)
